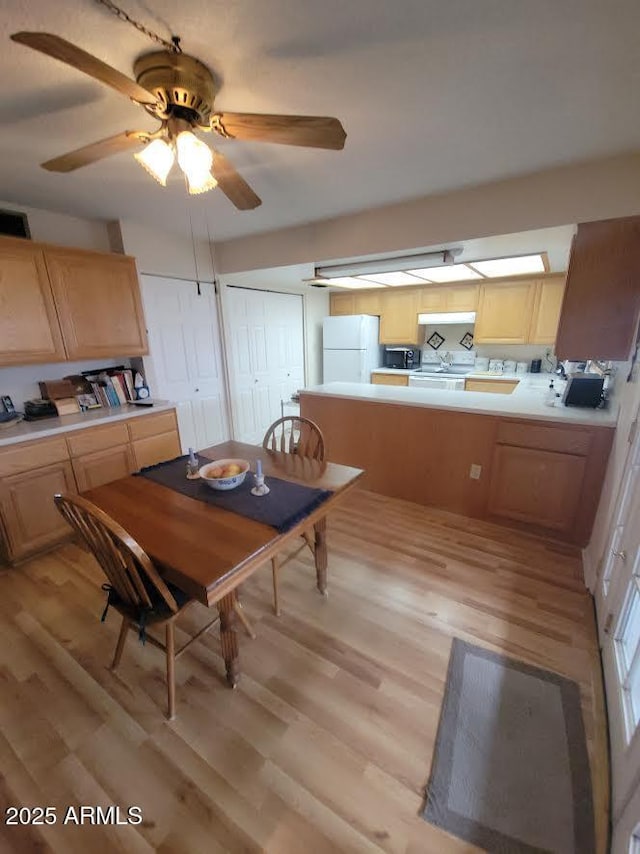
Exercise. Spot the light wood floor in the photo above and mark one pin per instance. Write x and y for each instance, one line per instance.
(326, 744)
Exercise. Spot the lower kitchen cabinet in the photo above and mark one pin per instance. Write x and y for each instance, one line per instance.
(389, 379)
(539, 487)
(92, 470)
(156, 449)
(32, 472)
(30, 520)
(496, 386)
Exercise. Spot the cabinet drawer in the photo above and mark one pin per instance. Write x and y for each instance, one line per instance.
(97, 439)
(559, 439)
(32, 455)
(156, 449)
(152, 425)
(495, 386)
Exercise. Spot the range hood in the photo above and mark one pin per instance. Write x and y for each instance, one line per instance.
(447, 317)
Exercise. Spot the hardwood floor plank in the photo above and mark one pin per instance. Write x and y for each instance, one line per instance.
(326, 744)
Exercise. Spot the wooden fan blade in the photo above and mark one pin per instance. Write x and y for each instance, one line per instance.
(96, 151)
(233, 184)
(310, 131)
(66, 52)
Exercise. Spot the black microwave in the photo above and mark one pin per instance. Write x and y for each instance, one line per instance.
(400, 357)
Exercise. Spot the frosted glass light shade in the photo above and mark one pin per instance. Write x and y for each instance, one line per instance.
(157, 158)
(197, 184)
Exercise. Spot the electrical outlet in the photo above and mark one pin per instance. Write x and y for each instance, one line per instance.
(475, 471)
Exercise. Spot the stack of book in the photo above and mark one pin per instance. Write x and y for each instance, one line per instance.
(111, 387)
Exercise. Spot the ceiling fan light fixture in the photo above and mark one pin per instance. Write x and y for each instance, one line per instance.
(157, 158)
(197, 183)
(194, 156)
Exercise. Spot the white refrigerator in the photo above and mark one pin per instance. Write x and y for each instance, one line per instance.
(350, 349)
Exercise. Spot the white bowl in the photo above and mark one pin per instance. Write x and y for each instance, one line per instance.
(223, 483)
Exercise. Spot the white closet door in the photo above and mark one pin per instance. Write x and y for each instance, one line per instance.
(185, 361)
(266, 361)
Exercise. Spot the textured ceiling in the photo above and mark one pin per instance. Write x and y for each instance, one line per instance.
(433, 95)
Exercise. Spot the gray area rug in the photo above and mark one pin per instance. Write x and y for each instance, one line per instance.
(510, 769)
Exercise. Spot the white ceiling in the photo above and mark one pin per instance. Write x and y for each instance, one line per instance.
(433, 95)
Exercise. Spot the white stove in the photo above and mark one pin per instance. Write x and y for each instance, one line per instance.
(445, 370)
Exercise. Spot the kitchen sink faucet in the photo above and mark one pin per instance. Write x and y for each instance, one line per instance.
(445, 361)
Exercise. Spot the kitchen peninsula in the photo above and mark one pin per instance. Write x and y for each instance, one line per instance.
(509, 458)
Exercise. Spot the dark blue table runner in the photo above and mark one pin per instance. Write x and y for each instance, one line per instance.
(286, 504)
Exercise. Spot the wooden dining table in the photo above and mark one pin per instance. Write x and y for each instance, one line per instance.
(208, 551)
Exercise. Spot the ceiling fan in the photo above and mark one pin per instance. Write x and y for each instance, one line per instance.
(179, 91)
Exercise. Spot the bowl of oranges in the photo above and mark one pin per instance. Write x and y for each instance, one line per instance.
(224, 474)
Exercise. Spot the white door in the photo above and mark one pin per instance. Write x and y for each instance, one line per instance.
(266, 357)
(618, 609)
(185, 361)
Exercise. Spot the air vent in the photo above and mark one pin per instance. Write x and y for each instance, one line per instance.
(14, 224)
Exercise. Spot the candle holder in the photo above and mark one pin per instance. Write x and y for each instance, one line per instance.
(261, 487)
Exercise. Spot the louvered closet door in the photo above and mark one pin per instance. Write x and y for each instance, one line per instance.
(266, 357)
(185, 362)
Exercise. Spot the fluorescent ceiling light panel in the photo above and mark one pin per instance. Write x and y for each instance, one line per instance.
(349, 282)
(388, 265)
(447, 317)
(392, 279)
(510, 266)
(450, 273)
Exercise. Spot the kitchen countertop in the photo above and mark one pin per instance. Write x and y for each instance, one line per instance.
(25, 430)
(473, 375)
(526, 400)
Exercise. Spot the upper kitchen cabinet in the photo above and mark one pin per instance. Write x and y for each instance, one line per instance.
(546, 312)
(602, 297)
(29, 329)
(504, 312)
(342, 304)
(368, 302)
(435, 298)
(399, 316)
(97, 297)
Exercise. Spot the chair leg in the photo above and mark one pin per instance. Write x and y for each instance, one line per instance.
(171, 669)
(309, 541)
(124, 631)
(237, 607)
(274, 573)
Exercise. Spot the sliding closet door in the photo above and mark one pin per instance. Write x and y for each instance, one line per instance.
(266, 357)
(185, 361)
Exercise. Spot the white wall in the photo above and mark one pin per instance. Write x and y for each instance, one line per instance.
(21, 382)
(159, 253)
(599, 189)
(51, 227)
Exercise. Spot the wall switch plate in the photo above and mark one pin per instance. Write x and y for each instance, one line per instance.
(475, 471)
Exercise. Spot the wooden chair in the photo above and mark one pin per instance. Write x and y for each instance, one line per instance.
(135, 589)
(293, 434)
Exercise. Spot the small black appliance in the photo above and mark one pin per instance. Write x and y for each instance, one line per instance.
(584, 390)
(403, 358)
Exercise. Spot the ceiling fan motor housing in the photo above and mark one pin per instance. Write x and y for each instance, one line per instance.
(179, 82)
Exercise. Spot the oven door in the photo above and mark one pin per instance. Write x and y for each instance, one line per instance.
(446, 383)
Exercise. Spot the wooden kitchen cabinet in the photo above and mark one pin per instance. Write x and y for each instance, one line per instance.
(546, 311)
(497, 386)
(29, 328)
(31, 472)
(601, 302)
(448, 298)
(30, 520)
(92, 470)
(399, 317)
(389, 379)
(97, 297)
(504, 312)
(342, 304)
(536, 486)
(368, 302)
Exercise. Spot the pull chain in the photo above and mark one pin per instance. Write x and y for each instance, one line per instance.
(173, 45)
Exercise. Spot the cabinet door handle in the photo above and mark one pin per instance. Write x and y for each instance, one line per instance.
(621, 554)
